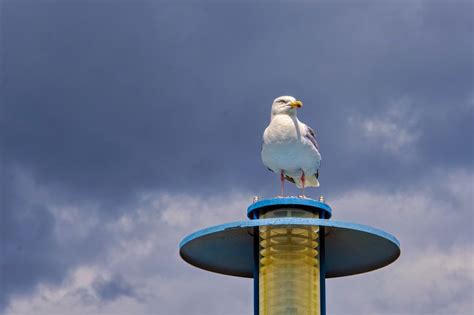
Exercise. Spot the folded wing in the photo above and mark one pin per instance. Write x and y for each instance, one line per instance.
(311, 136)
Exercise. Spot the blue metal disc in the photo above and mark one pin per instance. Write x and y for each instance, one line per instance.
(350, 248)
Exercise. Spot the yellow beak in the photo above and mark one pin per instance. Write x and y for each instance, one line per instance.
(296, 104)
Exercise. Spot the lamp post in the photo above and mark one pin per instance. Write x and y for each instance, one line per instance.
(289, 247)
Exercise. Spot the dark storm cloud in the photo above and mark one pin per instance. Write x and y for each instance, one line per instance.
(103, 99)
(26, 233)
(106, 98)
(31, 249)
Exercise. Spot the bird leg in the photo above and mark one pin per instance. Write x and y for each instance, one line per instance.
(282, 179)
(303, 182)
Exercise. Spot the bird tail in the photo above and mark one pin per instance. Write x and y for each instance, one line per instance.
(310, 181)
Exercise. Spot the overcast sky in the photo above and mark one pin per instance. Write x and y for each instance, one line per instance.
(126, 125)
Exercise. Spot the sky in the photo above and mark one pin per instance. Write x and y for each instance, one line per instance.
(127, 125)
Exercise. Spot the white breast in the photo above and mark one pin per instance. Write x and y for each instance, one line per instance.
(286, 148)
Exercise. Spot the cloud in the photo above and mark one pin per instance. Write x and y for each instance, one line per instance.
(141, 272)
(395, 130)
(111, 289)
(84, 291)
(26, 237)
(434, 274)
(434, 280)
(103, 111)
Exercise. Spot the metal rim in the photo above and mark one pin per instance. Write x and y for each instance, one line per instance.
(361, 248)
(255, 209)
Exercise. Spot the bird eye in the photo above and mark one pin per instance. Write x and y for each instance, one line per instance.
(282, 101)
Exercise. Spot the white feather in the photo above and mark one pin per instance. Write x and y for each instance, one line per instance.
(287, 145)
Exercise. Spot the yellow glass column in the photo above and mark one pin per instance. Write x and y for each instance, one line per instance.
(289, 267)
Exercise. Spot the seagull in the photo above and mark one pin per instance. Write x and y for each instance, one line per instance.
(289, 146)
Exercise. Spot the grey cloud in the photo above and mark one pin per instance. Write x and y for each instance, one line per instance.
(127, 96)
(26, 239)
(111, 289)
(148, 276)
(142, 268)
(31, 249)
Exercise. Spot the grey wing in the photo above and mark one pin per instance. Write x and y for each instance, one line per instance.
(311, 136)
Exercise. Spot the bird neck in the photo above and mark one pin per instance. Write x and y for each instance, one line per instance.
(291, 115)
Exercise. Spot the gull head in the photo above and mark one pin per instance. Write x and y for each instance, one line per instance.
(285, 105)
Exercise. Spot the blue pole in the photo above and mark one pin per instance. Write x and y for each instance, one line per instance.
(256, 258)
(322, 267)
(322, 271)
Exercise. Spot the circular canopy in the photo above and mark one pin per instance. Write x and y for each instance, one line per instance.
(349, 248)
